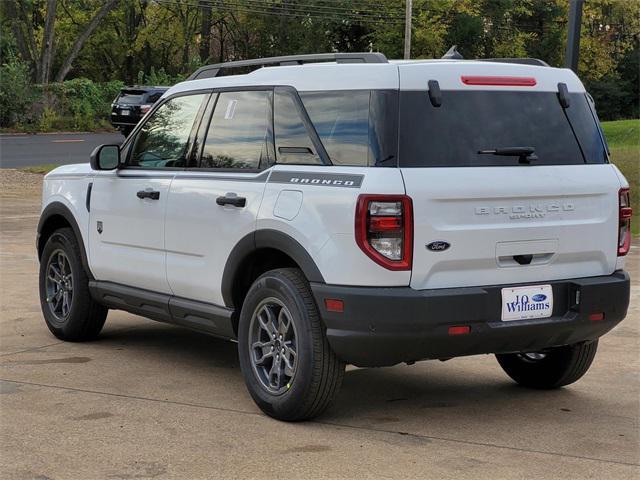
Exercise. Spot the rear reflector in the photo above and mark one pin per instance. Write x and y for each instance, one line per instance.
(334, 305)
(501, 81)
(459, 330)
(595, 317)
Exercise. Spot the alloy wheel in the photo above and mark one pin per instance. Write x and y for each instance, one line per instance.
(59, 285)
(273, 347)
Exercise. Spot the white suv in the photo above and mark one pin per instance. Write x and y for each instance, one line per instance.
(341, 208)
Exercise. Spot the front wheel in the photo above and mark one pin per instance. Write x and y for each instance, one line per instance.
(69, 311)
(288, 366)
(551, 368)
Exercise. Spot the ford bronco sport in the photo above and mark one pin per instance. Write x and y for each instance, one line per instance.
(344, 209)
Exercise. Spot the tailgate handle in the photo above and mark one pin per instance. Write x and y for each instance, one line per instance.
(523, 259)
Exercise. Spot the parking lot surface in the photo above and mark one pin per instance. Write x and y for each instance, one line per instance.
(149, 400)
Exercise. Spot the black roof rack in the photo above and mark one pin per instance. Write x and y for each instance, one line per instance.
(211, 71)
(522, 61)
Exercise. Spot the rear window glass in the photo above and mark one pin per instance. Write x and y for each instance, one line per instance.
(356, 127)
(473, 121)
(131, 97)
(153, 97)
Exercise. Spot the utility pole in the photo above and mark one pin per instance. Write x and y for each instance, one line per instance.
(407, 30)
(573, 35)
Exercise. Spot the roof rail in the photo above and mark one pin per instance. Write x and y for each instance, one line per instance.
(522, 61)
(211, 71)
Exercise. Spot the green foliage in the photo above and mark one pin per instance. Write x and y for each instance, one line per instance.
(161, 43)
(77, 104)
(159, 77)
(16, 93)
(623, 138)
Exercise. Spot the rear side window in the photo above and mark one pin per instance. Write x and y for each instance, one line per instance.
(239, 134)
(468, 122)
(357, 128)
(342, 122)
(293, 143)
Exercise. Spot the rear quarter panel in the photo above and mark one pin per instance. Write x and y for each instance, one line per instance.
(324, 221)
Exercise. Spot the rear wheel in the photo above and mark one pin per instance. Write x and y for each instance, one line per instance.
(551, 368)
(126, 131)
(288, 366)
(69, 311)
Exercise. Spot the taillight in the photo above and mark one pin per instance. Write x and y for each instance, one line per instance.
(624, 223)
(145, 108)
(384, 229)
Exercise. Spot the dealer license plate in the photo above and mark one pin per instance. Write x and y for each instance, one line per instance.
(521, 303)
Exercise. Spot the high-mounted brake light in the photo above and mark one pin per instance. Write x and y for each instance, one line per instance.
(384, 229)
(624, 222)
(499, 81)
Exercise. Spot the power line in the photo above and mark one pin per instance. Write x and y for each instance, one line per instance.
(301, 8)
(265, 9)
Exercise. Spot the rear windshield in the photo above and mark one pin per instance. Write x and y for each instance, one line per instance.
(131, 97)
(469, 122)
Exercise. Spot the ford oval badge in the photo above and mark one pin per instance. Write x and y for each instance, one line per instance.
(438, 246)
(539, 297)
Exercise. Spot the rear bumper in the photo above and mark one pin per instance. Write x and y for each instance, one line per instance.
(385, 326)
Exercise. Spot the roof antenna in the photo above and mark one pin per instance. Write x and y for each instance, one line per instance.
(453, 54)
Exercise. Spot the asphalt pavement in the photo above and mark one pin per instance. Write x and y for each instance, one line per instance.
(149, 400)
(27, 150)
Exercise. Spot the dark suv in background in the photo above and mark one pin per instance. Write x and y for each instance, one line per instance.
(131, 105)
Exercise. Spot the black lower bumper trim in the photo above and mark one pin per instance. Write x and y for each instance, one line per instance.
(385, 326)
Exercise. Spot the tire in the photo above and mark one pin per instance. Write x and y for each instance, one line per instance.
(126, 131)
(558, 367)
(83, 318)
(282, 298)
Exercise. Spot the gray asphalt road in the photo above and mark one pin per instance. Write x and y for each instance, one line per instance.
(17, 151)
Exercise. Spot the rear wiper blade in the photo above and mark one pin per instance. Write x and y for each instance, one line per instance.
(524, 154)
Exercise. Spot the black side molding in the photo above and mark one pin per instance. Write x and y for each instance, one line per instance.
(87, 200)
(203, 317)
(50, 219)
(260, 239)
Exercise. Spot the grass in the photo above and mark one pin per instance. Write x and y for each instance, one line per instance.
(41, 169)
(623, 137)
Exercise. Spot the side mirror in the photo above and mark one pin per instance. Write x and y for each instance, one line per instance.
(105, 157)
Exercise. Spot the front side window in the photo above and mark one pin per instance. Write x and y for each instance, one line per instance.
(163, 140)
(239, 134)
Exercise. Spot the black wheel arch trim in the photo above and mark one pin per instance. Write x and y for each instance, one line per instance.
(266, 238)
(60, 209)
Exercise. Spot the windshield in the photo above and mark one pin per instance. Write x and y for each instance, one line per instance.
(469, 122)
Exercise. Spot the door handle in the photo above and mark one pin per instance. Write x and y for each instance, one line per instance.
(230, 199)
(151, 194)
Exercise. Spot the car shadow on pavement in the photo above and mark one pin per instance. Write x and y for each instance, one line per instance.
(375, 397)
